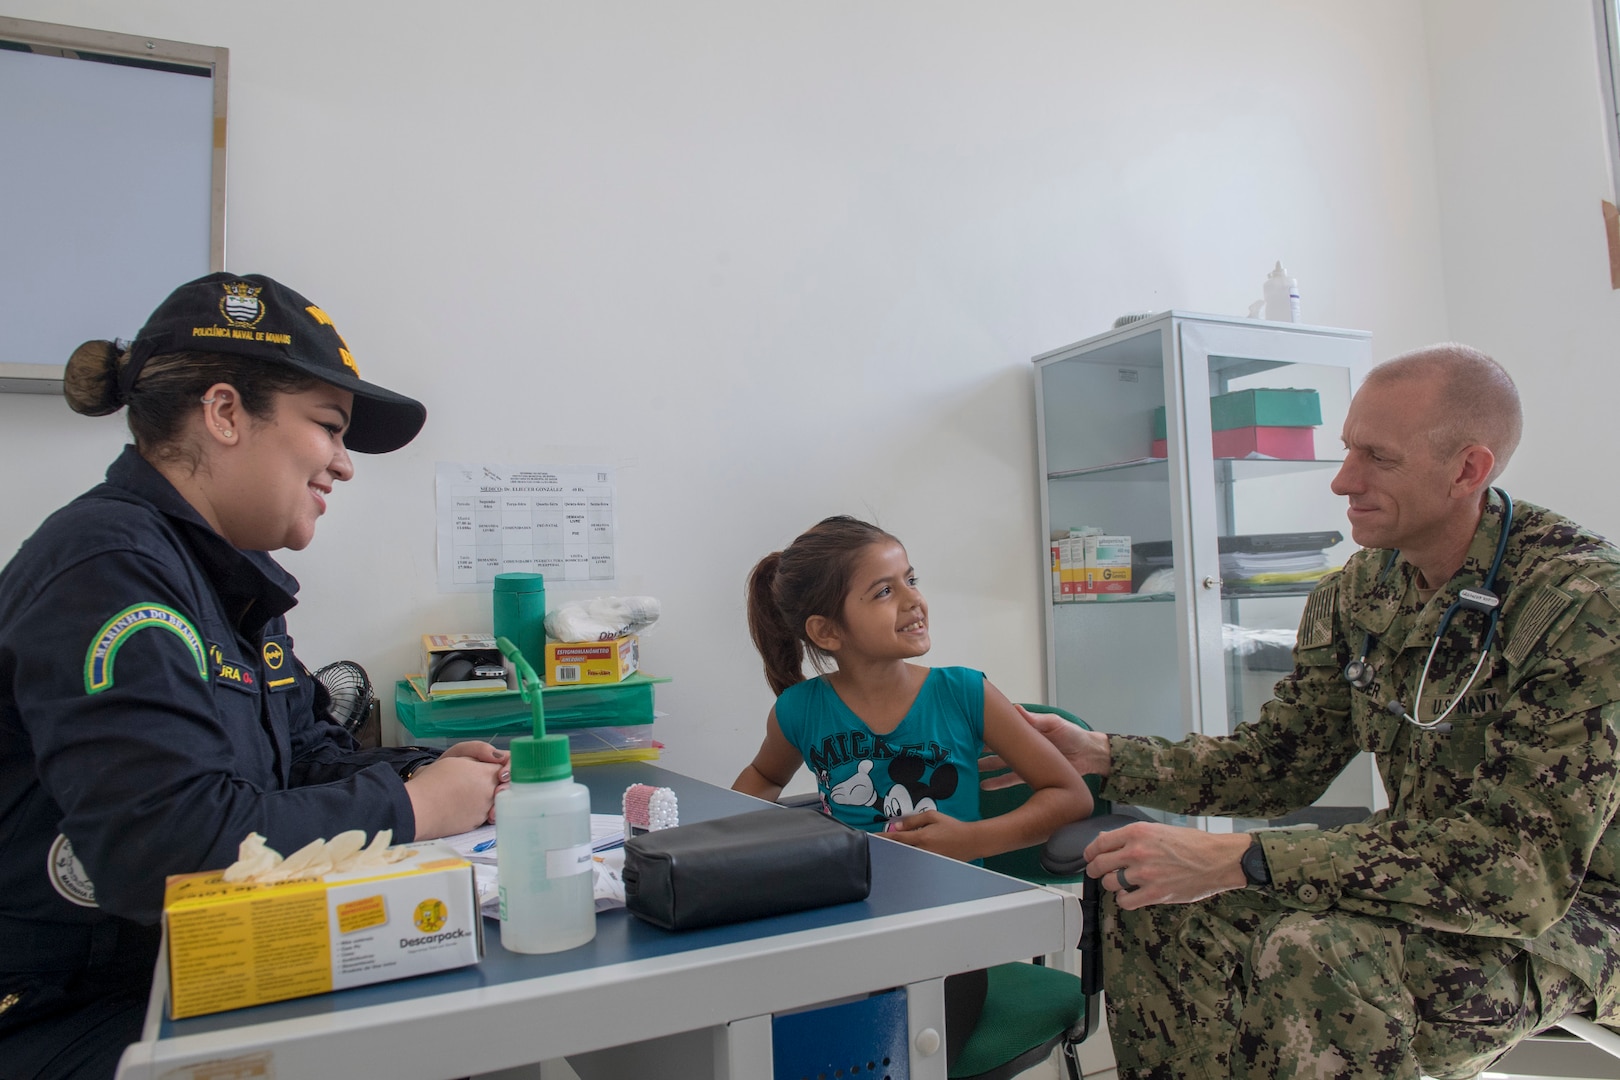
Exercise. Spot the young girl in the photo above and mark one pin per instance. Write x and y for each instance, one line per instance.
(894, 745)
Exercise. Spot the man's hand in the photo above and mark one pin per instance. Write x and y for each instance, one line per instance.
(1087, 751)
(1166, 864)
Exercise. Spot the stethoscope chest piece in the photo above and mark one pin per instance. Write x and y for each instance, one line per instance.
(1359, 673)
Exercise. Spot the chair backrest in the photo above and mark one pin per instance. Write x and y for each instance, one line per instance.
(1025, 863)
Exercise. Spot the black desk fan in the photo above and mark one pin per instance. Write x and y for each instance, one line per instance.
(351, 693)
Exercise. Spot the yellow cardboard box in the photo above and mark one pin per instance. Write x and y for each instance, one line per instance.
(233, 945)
(1108, 565)
(570, 662)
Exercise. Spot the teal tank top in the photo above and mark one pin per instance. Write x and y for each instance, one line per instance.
(929, 762)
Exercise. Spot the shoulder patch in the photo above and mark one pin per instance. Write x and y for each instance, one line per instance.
(1542, 610)
(67, 876)
(98, 659)
(1316, 625)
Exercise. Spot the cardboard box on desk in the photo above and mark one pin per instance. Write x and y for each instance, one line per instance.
(234, 945)
(569, 662)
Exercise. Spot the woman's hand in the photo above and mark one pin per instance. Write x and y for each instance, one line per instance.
(483, 751)
(936, 832)
(478, 751)
(457, 792)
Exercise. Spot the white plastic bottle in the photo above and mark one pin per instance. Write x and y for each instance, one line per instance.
(1282, 296)
(543, 851)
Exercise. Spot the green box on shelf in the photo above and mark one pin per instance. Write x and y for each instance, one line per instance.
(1265, 408)
(472, 716)
(1255, 408)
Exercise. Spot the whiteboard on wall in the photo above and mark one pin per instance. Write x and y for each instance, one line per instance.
(112, 187)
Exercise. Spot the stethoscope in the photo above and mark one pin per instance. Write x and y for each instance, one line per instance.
(1359, 674)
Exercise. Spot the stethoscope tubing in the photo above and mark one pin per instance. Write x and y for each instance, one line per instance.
(1361, 677)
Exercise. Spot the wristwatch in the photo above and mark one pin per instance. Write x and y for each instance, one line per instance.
(1255, 870)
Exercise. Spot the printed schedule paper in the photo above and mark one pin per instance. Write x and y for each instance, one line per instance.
(556, 520)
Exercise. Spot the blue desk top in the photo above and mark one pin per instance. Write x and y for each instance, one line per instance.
(903, 880)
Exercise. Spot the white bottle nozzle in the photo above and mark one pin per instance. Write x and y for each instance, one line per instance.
(1281, 293)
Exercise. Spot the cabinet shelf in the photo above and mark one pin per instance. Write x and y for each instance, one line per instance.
(1158, 468)
(1228, 592)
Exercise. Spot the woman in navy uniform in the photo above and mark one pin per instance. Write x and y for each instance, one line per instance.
(152, 712)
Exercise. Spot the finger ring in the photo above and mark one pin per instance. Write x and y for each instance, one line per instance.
(1124, 886)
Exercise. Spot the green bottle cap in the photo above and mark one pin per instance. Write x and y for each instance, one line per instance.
(517, 581)
(536, 760)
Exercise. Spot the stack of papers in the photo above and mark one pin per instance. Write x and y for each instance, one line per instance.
(1273, 567)
(477, 846)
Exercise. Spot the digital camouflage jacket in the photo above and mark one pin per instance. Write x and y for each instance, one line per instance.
(1502, 826)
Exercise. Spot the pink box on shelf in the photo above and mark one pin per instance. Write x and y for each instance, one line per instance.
(1287, 443)
(1160, 448)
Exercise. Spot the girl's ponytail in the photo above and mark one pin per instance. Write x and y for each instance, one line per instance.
(777, 642)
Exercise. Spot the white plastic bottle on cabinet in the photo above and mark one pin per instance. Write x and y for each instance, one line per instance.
(543, 851)
(1282, 296)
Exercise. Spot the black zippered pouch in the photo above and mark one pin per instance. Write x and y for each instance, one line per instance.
(767, 862)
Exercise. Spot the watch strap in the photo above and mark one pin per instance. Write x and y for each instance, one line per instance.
(1255, 870)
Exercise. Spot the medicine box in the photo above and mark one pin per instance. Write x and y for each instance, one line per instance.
(591, 661)
(1070, 579)
(1108, 565)
(1265, 408)
(1056, 553)
(1289, 443)
(234, 945)
(1253, 408)
(1285, 443)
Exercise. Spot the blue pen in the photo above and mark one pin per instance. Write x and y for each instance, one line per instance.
(484, 845)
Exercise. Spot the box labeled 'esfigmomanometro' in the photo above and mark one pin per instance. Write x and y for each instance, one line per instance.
(233, 945)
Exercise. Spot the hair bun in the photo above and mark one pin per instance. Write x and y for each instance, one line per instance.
(90, 382)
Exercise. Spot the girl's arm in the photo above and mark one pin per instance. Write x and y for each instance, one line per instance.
(772, 767)
(1058, 794)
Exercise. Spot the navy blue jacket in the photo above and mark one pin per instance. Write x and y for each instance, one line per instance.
(152, 714)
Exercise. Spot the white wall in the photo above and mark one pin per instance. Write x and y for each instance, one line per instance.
(1523, 166)
(775, 261)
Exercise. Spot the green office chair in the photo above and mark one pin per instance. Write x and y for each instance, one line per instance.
(1030, 1009)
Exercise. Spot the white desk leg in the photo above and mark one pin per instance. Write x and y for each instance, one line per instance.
(925, 1029)
(743, 1049)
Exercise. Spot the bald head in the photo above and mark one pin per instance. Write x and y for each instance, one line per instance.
(1477, 403)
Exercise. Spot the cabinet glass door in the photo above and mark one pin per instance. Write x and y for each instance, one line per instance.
(1119, 669)
(1209, 445)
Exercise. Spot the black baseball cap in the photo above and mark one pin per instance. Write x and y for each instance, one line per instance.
(258, 317)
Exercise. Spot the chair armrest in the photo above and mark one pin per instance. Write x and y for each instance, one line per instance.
(1064, 853)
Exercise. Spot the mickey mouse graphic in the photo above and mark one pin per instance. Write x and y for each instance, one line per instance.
(908, 793)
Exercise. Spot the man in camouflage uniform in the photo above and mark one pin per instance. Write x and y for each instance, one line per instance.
(1484, 904)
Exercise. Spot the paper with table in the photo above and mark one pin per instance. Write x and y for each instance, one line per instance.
(478, 847)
